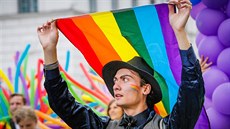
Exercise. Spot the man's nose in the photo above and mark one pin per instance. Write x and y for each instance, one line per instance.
(116, 86)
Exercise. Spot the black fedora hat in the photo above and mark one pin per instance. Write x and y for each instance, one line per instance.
(138, 65)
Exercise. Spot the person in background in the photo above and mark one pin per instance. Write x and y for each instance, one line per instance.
(204, 63)
(26, 118)
(114, 112)
(16, 101)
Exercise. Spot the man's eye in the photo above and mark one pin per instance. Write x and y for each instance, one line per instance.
(114, 80)
(125, 79)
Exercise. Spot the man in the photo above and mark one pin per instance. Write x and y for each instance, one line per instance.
(131, 83)
(16, 101)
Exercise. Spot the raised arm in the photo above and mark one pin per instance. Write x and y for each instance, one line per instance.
(48, 36)
(179, 19)
(191, 92)
(60, 99)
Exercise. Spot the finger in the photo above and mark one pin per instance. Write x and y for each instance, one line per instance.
(185, 6)
(209, 64)
(204, 61)
(173, 2)
(53, 20)
(53, 23)
(171, 8)
(46, 25)
(202, 64)
(185, 3)
(202, 58)
(40, 29)
(206, 67)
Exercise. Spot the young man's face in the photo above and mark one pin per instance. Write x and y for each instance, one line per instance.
(127, 89)
(15, 103)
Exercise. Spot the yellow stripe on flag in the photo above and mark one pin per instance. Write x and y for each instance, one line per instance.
(161, 109)
(108, 25)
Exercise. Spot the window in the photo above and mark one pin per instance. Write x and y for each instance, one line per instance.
(152, 1)
(114, 4)
(134, 3)
(26, 6)
(93, 5)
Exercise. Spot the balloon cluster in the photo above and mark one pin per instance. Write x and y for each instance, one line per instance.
(213, 40)
(29, 83)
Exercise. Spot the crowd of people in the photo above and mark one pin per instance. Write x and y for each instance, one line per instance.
(22, 116)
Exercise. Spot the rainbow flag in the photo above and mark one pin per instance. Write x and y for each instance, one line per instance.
(122, 34)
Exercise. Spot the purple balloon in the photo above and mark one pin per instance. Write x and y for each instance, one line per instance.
(207, 103)
(224, 32)
(196, 10)
(203, 121)
(208, 21)
(55, 127)
(223, 61)
(213, 77)
(210, 47)
(221, 99)
(199, 37)
(228, 9)
(218, 120)
(215, 4)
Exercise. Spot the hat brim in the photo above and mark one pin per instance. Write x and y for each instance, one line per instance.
(111, 68)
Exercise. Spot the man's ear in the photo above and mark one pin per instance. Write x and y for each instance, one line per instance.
(146, 89)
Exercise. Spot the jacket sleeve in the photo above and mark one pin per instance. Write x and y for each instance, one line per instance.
(190, 96)
(76, 115)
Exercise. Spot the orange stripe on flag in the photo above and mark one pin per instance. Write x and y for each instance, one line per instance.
(97, 40)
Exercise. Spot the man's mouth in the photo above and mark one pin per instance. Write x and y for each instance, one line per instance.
(118, 96)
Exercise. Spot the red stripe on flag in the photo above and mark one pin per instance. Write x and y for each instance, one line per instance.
(96, 38)
(77, 38)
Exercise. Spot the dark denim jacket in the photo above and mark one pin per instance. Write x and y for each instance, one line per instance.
(183, 116)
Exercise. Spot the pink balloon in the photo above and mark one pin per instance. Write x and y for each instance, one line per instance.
(196, 10)
(210, 47)
(224, 32)
(208, 21)
(218, 120)
(213, 77)
(223, 61)
(221, 99)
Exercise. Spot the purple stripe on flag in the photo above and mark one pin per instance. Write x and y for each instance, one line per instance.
(170, 43)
